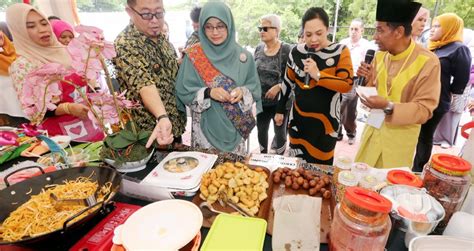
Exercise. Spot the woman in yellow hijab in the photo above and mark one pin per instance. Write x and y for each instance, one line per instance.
(7, 54)
(455, 58)
(10, 109)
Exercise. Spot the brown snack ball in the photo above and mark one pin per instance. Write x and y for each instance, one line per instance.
(300, 180)
(326, 180)
(313, 191)
(283, 175)
(288, 181)
(312, 183)
(276, 179)
(295, 174)
(306, 185)
(319, 186)
(327, 194)
(300, 170)
(295, 186)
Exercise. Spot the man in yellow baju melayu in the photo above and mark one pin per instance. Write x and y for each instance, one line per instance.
(407, 78)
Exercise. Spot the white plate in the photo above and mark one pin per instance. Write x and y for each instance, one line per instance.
(163, 225)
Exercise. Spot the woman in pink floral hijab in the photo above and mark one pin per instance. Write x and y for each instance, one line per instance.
(61, 109)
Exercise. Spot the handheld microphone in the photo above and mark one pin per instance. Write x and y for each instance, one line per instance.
(307, 77)
(369, 56)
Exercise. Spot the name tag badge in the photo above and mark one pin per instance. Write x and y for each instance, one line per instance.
(376, 118)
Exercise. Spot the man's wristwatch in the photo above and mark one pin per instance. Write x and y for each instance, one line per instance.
(161, 117)
(388, 110)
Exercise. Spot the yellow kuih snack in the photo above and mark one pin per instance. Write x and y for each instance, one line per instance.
(242, 185)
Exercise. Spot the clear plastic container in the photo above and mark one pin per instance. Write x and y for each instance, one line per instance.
(447, 178)
(368, 182)
(344, 179)
(342, 163)
(360, 170)
(361, 221)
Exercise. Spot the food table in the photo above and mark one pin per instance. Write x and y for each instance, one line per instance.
(71, 238)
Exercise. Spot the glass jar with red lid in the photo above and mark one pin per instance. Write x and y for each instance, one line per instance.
(447, 178)
(361, 221)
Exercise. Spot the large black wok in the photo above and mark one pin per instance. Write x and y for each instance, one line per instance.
(15, 195)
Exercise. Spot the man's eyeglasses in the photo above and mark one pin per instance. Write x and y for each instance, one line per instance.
(219, 27)
(265, 29)
(149, 16)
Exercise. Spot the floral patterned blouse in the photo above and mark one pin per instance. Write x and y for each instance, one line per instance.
(142, 62)
(19, 69)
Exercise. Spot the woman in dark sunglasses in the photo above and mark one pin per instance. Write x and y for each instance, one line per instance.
(271, 57)
(218, 80)
(317, 72)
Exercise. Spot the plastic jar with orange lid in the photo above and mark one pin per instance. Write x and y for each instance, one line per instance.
(447, 178)
(361, 221)
(402, 177)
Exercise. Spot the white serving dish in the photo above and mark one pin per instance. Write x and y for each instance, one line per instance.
(181, 171)
(162, 225)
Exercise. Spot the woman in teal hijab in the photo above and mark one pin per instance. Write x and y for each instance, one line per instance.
(218, 80)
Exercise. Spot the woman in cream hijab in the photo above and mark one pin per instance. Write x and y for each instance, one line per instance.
(418, 24)
(36, 46)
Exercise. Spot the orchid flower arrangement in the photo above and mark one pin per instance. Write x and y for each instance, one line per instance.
(102, 101)
(41, 90)
(88, 52)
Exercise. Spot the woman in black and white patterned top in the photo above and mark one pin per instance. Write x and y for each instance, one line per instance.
(314, 118)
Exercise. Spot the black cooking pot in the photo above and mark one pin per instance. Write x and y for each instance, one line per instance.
(15, 195)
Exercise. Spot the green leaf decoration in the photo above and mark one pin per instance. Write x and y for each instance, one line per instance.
(129, 135)
(121, 142)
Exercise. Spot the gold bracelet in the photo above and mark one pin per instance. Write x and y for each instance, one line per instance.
(66, 108)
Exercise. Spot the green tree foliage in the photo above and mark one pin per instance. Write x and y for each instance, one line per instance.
(100, 5)
(248, 13)
(463, 8)
(365, 9)
(5, 3)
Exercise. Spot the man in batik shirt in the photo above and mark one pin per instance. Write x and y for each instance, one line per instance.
(146, 66)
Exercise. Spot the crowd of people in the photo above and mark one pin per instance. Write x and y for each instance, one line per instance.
(307, 89)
